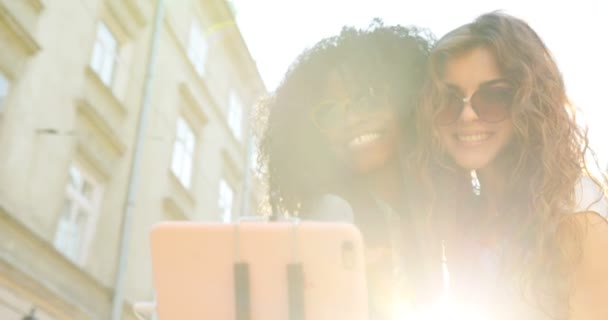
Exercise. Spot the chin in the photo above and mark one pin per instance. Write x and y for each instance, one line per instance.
(473, 158)
(472, 164)
(369, 160)
(370, 163)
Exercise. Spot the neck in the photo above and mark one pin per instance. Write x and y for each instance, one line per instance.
(492, 183)
(387, 184)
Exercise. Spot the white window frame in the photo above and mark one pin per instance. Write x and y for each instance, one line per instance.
(225, 201)
(105, 54)
(183, 153)
(197, 48)
(83, 195)
(235, 115)
(5, 87)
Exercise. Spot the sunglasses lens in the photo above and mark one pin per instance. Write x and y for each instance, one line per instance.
(451, 109)
(493, 104)
(331, 113)
(369, 104)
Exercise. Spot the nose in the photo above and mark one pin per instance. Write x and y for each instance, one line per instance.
(467, 114)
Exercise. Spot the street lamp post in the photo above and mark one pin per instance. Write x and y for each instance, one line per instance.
(125, 235)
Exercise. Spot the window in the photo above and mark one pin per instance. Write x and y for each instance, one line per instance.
(235, 115)
(183, 153)
(105, 53)
(80, 209)
(197, 48)
(4, 87)
(225, 201)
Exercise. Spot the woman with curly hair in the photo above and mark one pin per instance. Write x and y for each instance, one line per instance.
(339, 124)
(503, 162)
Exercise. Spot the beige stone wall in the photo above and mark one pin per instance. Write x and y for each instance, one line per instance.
(58, 112)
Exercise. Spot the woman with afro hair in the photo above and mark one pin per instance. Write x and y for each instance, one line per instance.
(340, 123)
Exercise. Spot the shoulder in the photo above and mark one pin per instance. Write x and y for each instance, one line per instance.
(590, 197)
(590, 277)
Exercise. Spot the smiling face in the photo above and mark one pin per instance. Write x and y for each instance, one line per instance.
(470, 141)
(361, 128)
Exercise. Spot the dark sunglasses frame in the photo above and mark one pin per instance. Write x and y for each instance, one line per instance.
(498, 112)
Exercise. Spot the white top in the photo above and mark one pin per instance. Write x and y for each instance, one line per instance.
(589, 197)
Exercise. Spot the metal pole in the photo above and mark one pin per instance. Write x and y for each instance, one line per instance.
(123, 255)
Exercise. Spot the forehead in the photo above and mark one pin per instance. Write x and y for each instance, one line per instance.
(347, 83)
(336, 84)
(472, 68)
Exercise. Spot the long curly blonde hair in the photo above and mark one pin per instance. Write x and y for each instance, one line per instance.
(544, 161)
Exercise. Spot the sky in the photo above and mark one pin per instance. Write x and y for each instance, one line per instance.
(276, 31)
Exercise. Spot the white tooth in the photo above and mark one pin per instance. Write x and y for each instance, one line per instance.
(363, 139)
(473, 137)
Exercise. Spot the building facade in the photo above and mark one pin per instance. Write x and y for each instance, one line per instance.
(73, 79)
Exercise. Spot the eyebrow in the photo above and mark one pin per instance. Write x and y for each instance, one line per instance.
(484, 84)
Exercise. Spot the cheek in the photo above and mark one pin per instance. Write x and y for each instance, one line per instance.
(387, 117)
(332, 136)
(507, 133)
(443, 133)
(396, 132)
(391, 125)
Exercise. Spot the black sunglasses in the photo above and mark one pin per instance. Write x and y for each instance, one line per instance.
(491, 103)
